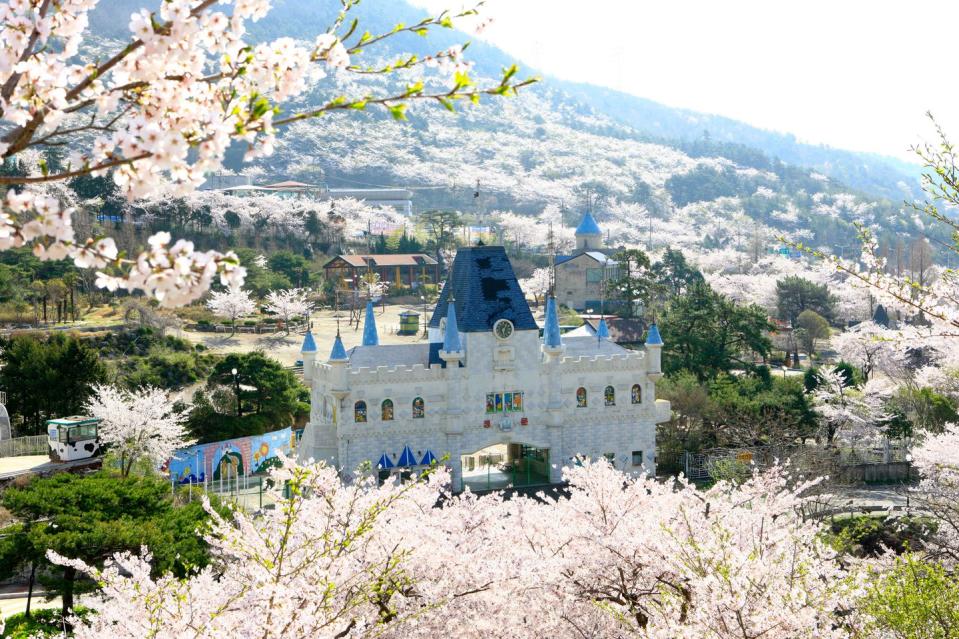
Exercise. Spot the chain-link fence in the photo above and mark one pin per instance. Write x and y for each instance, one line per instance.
(19, 446)
(249, 492)
(889, 459)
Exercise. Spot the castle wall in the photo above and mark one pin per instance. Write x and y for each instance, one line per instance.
(455, 407)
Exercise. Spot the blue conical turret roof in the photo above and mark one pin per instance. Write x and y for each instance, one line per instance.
(370, 337)
(652, 337)
(338, 353)
(309, 344)
(588, 226)
(602, 331)
(451, 341)
(551, 334)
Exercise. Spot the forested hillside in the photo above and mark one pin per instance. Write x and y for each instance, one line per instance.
(656, 175)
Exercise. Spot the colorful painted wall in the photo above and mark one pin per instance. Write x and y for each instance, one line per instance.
(230, 458)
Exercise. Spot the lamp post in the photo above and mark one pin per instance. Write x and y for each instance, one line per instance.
(423, 299)
(236, 383)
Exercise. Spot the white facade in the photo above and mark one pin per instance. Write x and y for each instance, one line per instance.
(456, 421)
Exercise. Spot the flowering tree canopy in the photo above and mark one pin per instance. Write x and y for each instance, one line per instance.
(138, 424)
(162, 110)
(232, 303)
(620, 556)
(289, 304)
(538, 284)
(844, 409)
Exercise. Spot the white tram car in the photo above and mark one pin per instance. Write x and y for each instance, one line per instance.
(73, 438)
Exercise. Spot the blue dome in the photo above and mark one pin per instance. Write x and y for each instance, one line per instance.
(588, 226)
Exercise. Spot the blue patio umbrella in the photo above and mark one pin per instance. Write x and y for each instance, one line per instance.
(384, 462)
(428, 459)
(407, 458)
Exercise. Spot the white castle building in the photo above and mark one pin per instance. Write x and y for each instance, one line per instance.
(487, 396)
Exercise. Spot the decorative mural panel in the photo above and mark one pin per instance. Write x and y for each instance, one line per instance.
(230, 458)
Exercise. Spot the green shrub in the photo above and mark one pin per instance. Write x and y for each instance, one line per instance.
(45, 622)
(915, 600)
(868, 536)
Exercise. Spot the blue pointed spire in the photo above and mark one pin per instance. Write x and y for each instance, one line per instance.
(338, 354)
(309, 344)
(652, 337)
(451, 341)
(551, 335)
(588, 226)
(370, 337)
(602, 331)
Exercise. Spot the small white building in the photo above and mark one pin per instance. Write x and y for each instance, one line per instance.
(487, 395)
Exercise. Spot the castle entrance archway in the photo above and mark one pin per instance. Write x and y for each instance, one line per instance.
(505, 465)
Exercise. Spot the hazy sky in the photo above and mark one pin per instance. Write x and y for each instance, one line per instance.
(848, 73)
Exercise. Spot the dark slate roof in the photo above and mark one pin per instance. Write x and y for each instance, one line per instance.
(588, 226)
(485, 289)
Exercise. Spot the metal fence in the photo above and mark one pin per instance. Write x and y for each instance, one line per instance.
(249, 492)
(809, 460)
(20, 446)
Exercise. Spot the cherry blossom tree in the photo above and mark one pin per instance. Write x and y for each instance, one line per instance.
(847, 411)
(138, 425)
(538, 284)
(619, 556)
(937, 460)
(232, 303)
(865, 345)
(289, 304)
(161, 111)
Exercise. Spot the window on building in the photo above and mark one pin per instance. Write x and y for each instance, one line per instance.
(359, 412)
(637, 458)
(581, 397)
(610, 396)
(419, 408)
(386, 410)
(511, 402)
(637, 394)
(610, 457)
(594, 275)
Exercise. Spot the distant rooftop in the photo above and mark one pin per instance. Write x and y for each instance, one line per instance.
(388, 259)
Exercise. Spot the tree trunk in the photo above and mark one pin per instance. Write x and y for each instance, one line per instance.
(44, 310)
(33, 574)
(70, 577)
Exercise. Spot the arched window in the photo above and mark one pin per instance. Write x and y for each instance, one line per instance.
(637, 394)
(581, 400)
(386, 410)
(610, 395)
(359, 412)
(419, 408)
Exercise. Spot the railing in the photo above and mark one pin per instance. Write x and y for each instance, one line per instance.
(19, 446)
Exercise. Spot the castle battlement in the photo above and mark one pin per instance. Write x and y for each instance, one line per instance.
(489, 395)
(634, 360)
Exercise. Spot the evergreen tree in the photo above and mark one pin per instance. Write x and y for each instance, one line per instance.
(50, 378)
